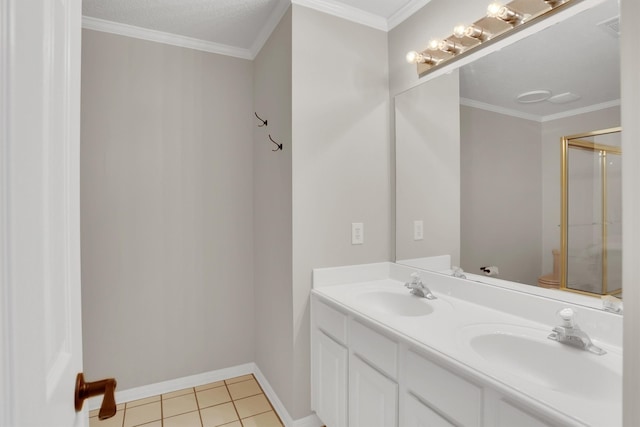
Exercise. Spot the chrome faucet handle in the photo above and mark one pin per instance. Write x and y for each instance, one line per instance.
(567, 315)
(418, 288)
(415, 281)
(569, 333)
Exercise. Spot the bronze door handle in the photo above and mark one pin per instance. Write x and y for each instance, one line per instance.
(86, 390)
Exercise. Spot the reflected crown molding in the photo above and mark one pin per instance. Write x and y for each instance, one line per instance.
(541, 119)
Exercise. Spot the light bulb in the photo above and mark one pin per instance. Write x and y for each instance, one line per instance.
(433, 44)
(493, 10)
(414, 57)
(459, 31)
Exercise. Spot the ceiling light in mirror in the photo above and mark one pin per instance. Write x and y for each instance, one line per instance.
(533, 96)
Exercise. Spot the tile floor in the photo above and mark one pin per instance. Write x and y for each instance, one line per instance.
(236, 402)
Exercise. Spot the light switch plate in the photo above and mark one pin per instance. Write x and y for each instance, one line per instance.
(357, 233)
(418, 230)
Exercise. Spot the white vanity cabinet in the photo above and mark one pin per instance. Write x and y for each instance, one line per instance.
(455, 400)
(416, 413)
(353, 381)
(501, 411)
(364, 375)
(373, 398)
(373, 367)
(329, 363)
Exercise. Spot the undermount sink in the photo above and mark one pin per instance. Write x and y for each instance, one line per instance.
(528, 354)
(394, 303)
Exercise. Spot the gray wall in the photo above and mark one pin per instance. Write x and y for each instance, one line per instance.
(501, 194)
(341, 159)
(166, 210)
(272, 212)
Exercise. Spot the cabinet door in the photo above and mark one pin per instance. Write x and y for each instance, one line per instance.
(417, 414)
(373, 398)
(329, 381)
(508, 415)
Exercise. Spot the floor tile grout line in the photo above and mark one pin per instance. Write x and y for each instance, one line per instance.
(198, 406)
(233, 403)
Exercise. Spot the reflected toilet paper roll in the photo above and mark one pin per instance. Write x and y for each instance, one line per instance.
(490, 271)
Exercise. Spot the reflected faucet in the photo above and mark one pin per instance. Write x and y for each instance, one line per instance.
(418, 288)
(458, 272)
(571, 334)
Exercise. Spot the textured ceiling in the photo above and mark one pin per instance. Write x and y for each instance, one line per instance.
(235, 23)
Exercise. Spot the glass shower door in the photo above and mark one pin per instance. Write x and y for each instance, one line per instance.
(591, 218)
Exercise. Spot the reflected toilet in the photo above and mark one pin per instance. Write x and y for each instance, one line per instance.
(552, 280)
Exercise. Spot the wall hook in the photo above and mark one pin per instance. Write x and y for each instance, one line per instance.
(264, 122)
(279, 145)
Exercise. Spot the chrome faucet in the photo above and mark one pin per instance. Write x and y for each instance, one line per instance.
(458, 272)
(418, 288)
(571, 334)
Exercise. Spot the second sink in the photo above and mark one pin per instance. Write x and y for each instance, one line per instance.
(528, 354)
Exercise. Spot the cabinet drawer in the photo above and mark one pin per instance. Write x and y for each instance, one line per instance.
(454, 397)
(416, 414)
(374, 347)
(330, 321)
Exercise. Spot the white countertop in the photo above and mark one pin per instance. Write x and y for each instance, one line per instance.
(465, 309)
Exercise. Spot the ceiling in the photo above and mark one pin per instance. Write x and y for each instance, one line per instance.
(577, 57)
(233, 27)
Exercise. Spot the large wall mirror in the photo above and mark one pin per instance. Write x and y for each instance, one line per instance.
(479, 150)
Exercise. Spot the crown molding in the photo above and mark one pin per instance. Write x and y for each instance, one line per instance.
(405, 12)
(340, 10)
(105, 26)
(500, 110)
(583, 110)
(271, 24)
(541, 119)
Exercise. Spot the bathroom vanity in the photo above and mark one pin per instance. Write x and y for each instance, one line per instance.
(478, 355)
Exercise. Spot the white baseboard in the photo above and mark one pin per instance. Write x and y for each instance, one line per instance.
(309, 421)
(209, 377)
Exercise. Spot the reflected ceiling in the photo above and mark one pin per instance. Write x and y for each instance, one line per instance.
(575, 54)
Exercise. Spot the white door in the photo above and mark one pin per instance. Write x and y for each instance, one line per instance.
(41, 337)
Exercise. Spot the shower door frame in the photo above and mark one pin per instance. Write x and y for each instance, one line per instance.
(575, 141)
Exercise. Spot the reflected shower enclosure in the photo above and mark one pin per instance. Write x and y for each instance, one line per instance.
(591, 224)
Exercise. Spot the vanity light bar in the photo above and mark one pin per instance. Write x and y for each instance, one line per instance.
(499, 21)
